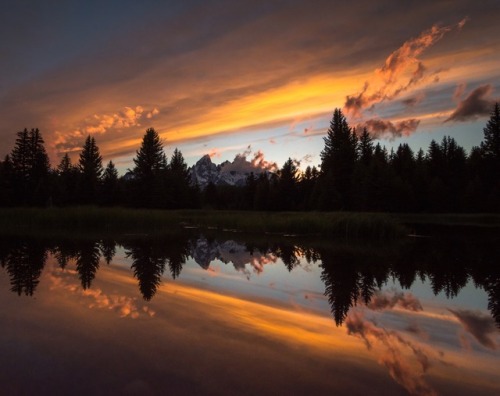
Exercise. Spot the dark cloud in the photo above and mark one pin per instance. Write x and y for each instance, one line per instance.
(478, 103)
(480, 326)
(381, 301)
(383, 128)
(459, 91)
(414, 100)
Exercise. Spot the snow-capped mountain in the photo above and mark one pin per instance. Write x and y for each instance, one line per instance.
(228, 173)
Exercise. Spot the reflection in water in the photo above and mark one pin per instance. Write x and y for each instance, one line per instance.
(352, 274)
(24, 262)
(149, 258)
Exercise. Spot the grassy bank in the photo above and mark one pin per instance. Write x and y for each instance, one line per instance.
(478, 220)
(118, 220)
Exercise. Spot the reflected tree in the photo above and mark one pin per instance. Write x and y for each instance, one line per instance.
(108, 249)
(24, 263)
(148, 264)
(87, 262)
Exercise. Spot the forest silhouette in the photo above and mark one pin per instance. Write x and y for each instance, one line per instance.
(355, 174)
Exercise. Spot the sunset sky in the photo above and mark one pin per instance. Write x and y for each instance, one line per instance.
(261, 77)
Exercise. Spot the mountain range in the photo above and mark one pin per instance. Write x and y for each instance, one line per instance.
(227, 173)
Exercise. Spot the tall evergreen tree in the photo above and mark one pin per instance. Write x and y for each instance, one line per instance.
(150, 159)
(491, 144)
(109, 192)
(365, 147)
(150, 166)
(90, 167)
(30, 168)
(67, 181)
(287, 186)
(180, 193)
(338, 161)
(490, 148)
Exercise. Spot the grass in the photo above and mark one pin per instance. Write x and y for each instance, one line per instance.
(119, 220)
(488, 220)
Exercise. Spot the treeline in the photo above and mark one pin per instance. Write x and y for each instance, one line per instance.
(26, 178)
(356, 174)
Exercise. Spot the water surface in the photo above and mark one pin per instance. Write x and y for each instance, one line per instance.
(202, 313)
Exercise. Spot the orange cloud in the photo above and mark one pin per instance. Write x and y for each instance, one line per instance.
(401, 71)
(124, 306)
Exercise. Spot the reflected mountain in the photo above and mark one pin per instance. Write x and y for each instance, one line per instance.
(352, 274)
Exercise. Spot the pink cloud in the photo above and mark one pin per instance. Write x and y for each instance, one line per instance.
(406, 361)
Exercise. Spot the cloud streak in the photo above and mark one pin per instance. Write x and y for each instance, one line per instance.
(480, 326)
(407, 301)
(383, 128)
(478, 102)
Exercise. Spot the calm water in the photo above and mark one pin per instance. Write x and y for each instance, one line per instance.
(224, 314)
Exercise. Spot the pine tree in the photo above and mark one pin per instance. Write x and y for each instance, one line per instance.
(90, 167)
(490, 149)
(30, 167)
(491, 144)
(150, 159)
(149, 171)
(67, 181)
(338, 161)
(109, 195)
(365, 147)
(287, 186)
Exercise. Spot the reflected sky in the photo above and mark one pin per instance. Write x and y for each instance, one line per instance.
(237, 317)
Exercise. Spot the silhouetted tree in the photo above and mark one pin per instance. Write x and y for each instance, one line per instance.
(338, 160)
(90, 167)
(150, 165)
(110, 187)
(67, 182)
(30, 168)
(287, 186)
(490, 148)
(180, 194)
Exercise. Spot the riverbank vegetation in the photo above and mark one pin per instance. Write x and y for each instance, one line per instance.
(153, 221)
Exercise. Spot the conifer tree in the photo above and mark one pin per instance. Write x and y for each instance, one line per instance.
(149, 171)
(491, 144)
(338, 162)
(110, 185)
(150, 159)
(90, 167)
(30, 168)
(67, 181)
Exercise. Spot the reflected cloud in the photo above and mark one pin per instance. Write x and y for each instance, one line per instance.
(406, 361)
(384, 300)
(124, 306)
(480, 326)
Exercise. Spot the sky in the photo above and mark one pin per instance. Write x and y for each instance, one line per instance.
(255, 77)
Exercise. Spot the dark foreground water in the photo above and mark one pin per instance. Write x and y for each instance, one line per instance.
(227, 314)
